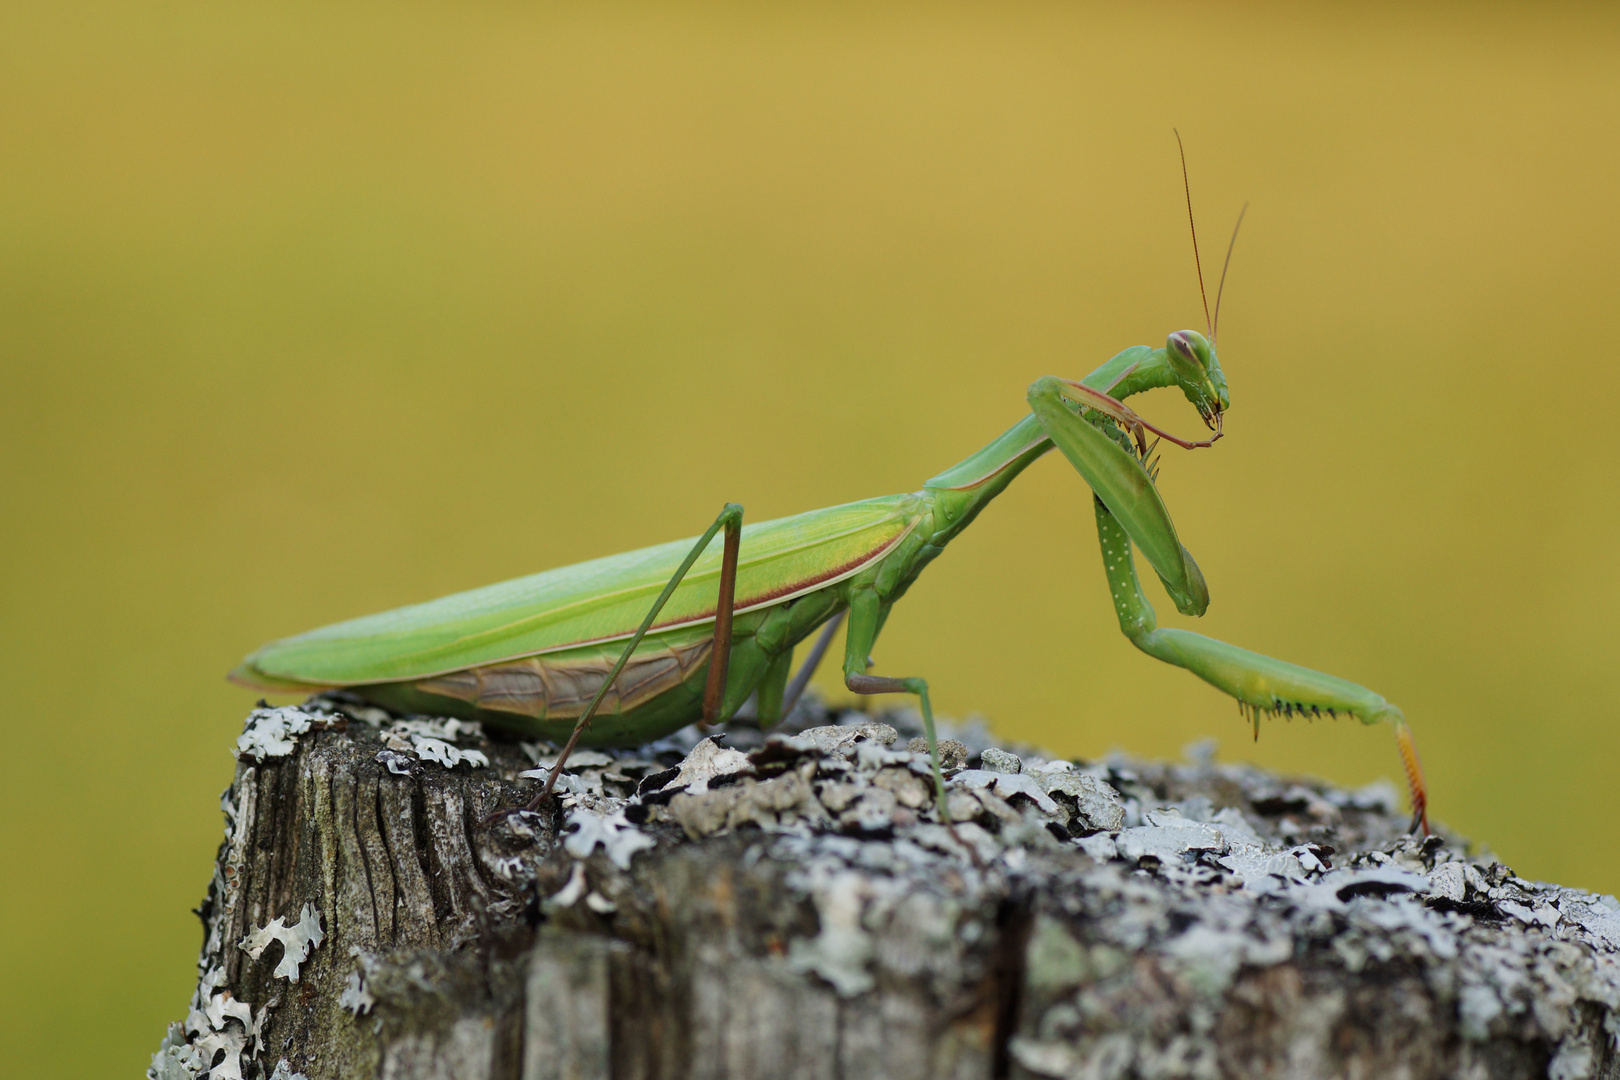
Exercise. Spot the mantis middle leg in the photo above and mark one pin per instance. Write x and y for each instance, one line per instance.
(866, 615)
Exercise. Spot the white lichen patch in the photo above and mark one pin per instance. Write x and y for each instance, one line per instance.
(839, 740)
(570, 893)
(407, 743)
(566, 784)
(1598, 917)
(297, 941)
(842, 949)
(996, 760)
(445, 728)
(707, 761)
(848, 776)
(1097, 805)
(441, 752)
(1168, 841)
(217, 1031)
(579, 759)
(400, 764)
(1007, 783)
(613, 832)
(356, 997)
(171, 1060)
(271, 733)
(882, 907)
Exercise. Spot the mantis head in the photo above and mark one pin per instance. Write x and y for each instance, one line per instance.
(1191, 357)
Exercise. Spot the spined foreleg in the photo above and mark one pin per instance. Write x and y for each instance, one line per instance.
(1259, 683)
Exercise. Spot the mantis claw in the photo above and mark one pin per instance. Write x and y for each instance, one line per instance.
(1414, 779)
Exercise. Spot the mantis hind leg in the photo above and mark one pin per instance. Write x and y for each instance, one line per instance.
(1259, 683)
(730, 520)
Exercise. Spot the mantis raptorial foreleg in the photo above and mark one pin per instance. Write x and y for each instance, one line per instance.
(730, 520)
(1129, 509)
(1259, 683)
(1119, 479)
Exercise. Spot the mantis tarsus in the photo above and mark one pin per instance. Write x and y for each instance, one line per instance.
(626, 649)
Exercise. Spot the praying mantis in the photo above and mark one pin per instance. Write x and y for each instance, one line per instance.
(623, 650)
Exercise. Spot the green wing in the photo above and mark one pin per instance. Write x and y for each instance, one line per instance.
(588, 602)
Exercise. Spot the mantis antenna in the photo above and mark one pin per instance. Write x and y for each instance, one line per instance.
(1221, 288)
(1186, 186)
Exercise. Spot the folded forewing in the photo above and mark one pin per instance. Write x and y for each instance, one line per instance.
(592, 601)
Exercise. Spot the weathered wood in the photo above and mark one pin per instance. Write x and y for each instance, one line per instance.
(795, 911)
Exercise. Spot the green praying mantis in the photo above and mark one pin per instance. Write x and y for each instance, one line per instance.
(623, 650)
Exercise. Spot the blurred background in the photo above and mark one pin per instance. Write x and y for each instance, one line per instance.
(308, 311)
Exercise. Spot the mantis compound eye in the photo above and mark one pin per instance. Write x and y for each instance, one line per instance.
(1188, 354)
(1190, 346)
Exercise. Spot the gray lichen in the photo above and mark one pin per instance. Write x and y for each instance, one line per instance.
(297, 941)
(1104, 919)
(217, 1031)
(410, 741)
(613, 832)
(356, 996)
(271, 733)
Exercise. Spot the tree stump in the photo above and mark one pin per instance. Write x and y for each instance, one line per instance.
(743, 905)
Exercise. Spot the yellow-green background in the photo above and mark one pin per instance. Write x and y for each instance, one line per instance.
(309, 310)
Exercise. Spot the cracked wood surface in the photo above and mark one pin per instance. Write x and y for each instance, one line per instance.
(789, 908)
